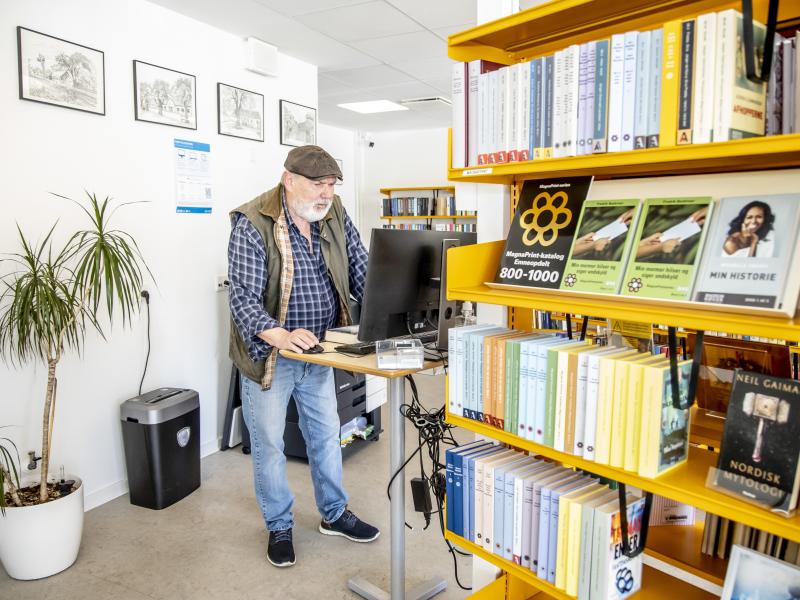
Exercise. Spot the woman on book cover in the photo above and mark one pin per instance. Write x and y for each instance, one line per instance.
(749, 233)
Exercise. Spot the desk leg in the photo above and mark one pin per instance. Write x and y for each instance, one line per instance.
(360, 585)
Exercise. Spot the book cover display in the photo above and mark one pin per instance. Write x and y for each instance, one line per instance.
(751, 243)
(752, 574)
(601, 246)
(761, 442)
(666, 248)
(540, 236)
(614, 575)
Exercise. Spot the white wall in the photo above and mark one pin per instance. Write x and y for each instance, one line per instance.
(48, 148)
(341, 143)
(398, 159)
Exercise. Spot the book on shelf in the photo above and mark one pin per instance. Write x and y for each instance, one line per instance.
(540, 236)
(601, 246)
(753, 574)
(667, 512)
(459, 96)
(721, 356)
(667, 247)
(686, 84)
(752, 241)
(705, 80)
(760, 448)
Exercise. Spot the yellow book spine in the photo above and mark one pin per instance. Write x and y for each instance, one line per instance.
(650, 422)
(574, 545)
(564, 508)
(621, 371)
(670, 84)
(633, 414)
(605, 399)
(569, 409)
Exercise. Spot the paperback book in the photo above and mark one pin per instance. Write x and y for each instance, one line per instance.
(667, 248)
(761, 442)
(541, 234)
(752, 242)
(601, 246)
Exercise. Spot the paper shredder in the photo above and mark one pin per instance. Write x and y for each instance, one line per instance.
(161, 435)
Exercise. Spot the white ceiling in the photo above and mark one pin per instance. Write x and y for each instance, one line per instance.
(365, 50)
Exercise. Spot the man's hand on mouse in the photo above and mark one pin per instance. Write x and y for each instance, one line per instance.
(297, 340)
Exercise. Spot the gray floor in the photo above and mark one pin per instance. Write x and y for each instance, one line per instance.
(212, 544)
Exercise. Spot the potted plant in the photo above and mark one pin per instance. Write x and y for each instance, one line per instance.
(49, 298)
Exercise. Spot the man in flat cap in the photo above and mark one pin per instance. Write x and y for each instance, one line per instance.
(294, 260)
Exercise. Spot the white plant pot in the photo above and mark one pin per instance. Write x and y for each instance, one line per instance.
(42, 540)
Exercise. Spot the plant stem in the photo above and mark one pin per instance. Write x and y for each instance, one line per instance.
(46, 422)
(12, 489)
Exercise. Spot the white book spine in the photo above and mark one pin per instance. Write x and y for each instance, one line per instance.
(583, 60)
(643, 49)
(524, 115)
(488, 509)
(590, 419)
(571, 97)
(492, 116)
(587, 116)
(615, 92)
(452, 394)
(519, 491)
(561, 402)
(726, 66)
(459, 105)
(473, 109)
(789, 58)
(530, 391)
(629, 90)
(581, 390)
(483, 123)
(477, 483)
(654, 83)
(704, 65)
(512, 112)
(559, 65)
(539, 399)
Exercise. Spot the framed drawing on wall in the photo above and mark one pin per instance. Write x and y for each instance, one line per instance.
(164, 96)
(55, 71)
(298, 124)
(240, 113)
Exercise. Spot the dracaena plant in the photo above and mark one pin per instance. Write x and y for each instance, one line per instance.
(50, 296)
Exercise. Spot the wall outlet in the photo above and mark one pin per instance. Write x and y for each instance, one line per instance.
(222, 283)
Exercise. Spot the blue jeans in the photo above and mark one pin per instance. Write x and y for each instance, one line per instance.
(265, 415)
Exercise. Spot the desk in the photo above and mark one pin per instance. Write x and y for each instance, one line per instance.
(397, 433)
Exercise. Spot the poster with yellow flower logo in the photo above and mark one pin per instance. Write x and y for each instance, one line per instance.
(540, 236)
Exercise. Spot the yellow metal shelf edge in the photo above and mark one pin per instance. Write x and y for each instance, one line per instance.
(447, 188)
(685, 483)
(656, 585)
(468, 267)
(769, 152)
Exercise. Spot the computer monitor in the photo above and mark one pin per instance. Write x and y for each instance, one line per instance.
(402, 293)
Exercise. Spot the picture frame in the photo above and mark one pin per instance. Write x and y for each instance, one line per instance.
(240, 112)
(164, 96)
(298, 124)
(59, 72)
(750, 573)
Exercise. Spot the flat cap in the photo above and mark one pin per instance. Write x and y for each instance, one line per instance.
(312, 162)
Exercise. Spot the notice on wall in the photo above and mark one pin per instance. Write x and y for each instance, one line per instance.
(192, 177)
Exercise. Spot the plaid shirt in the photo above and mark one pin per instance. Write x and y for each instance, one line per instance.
(313, 304)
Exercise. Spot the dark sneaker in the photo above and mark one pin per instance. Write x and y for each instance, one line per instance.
(280, 551)
(351, 527)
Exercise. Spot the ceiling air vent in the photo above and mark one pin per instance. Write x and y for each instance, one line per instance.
(431, 101)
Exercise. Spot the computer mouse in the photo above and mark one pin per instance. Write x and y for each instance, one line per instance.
(314, 350)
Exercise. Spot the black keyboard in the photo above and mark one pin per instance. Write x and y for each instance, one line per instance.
(364, 348)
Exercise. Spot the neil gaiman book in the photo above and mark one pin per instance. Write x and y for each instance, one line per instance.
(540, 236)
(761, 443)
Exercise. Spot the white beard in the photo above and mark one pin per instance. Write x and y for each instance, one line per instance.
(310, 213)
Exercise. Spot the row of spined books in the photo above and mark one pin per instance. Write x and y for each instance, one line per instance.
(421, 207)
(436, 227)
(720, 535)
(611, 405)
(735, 251)
(682, 83)
(562, 525)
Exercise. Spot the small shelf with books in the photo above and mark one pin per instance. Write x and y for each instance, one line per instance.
(684, 483)
(470, 267)
(431, 217)
(655, 584)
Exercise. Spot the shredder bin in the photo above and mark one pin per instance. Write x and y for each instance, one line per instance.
(161, 435)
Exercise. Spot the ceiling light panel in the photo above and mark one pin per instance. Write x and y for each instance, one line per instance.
(372, 106)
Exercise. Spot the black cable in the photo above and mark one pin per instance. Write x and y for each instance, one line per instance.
(146, 296)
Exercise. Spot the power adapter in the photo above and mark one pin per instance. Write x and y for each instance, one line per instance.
(421, 494)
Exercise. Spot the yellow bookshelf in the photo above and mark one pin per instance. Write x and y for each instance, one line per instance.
(540, 31)
(388, 191)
